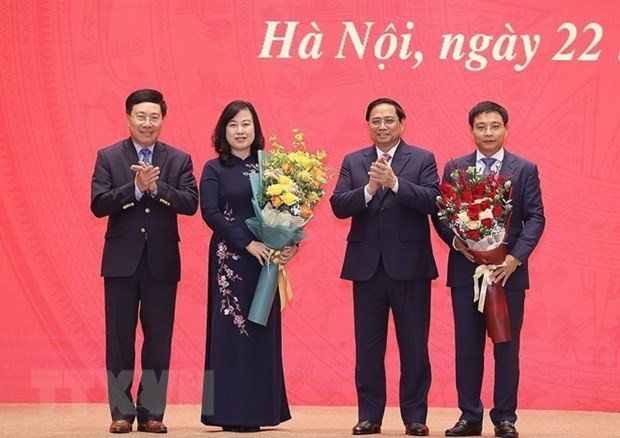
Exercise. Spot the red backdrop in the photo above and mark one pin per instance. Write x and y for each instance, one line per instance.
(67, 66)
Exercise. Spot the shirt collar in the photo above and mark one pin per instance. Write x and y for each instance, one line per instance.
(499, 155)
(391, 152)
(139, 148)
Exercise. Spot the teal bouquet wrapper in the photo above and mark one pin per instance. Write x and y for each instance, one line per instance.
(264, 294)
(274, 236)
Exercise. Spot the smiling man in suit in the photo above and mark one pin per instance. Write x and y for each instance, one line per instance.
(389, 190)
(141, 185)
(488, 122)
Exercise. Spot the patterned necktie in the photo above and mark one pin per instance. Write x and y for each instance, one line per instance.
(387, 158)
(145, 155)
(488, 163)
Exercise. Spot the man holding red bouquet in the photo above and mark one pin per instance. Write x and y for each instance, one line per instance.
(488, 122)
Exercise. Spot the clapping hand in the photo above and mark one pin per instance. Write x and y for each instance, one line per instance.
(146, 176)
(380, 175)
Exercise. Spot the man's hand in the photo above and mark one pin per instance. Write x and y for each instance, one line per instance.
(380, 175)
(146, 176)
(463, 249)
(502, 273)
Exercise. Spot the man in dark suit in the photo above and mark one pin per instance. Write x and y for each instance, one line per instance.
(488, 122)
(389, 190)
(141, 185)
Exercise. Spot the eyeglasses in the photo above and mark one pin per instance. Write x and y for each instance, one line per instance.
(154, 119)
(388, 122)
(495, 127)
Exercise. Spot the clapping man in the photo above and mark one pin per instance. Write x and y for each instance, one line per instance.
(141, 185)
(388, 190)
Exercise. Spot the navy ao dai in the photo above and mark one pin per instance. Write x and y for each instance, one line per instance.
(244, 379)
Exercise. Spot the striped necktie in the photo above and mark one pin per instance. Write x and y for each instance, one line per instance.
(145, 155)
(488, 163)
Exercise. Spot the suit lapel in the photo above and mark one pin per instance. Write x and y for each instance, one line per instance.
(509, 166)
(370, 156)
(159, 155)
(401, 158)
(471, 160)
(129, 152)
(130, 156)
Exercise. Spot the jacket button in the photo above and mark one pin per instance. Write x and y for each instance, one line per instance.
(147, 210)
(143, 230)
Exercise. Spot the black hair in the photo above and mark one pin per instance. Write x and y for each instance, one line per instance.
(218, 138)
(486, 107)
(399, 110)
(146, 95)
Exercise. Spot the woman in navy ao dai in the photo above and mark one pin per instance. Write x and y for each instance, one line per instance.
(244, 380)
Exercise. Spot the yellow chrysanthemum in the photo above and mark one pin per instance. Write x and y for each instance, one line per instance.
(304, 162)
(304, 176)
(284, 180)
(289, 198)
(294, 178)
(294, 157)
(275, 190)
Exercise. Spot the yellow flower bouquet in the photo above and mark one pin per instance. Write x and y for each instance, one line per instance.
(286, 190)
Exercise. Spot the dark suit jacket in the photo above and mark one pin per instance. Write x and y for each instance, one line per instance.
(526, 224)
(113, 195)
(394, 226)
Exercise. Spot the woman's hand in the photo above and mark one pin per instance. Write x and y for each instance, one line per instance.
(287, 254)
(259, 250)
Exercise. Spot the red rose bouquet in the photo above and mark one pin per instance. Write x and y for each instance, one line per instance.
(477, 208)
